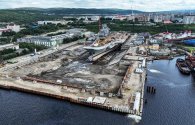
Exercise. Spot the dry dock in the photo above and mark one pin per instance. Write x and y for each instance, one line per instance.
(122, 105)
(62, 92)
(115, 86)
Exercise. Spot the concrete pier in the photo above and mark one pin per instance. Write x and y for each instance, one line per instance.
(55, 91)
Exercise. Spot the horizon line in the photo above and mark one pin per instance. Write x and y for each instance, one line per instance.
(95, 8)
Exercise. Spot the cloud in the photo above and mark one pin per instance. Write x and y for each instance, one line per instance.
(144, 5)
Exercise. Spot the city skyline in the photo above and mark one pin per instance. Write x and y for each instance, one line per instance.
(146, 5)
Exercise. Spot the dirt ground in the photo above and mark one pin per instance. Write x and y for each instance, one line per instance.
(86, 75)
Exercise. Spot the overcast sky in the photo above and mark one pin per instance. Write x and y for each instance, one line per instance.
(144, 5)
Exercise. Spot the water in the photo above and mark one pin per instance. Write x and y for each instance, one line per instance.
(173, 104)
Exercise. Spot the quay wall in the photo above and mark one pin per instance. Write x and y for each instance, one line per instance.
(94, 105)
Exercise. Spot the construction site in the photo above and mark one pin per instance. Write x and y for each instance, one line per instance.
(111, 79)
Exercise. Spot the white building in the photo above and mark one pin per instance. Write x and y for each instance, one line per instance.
(131, 17)
(10, 27)
(88, 34)
(190, 19)
(158, 18)
(53, 40)
(120, 17)
(39, 40)
(153, 41)
(166, 17)
(94, 18)
(13, 27)
(63, 22)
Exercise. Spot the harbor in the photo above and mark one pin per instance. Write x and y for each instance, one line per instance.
(108, 74)
(97, 62)
(114, 80)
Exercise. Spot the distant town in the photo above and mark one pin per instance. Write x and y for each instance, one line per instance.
(52, 33)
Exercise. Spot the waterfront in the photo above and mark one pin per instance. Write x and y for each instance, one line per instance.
(173, 104)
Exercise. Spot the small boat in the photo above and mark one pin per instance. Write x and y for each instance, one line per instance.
(182, 66)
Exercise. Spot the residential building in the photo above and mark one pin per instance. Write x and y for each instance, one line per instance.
(189, 19)
(158, 18)
(131, 17)
(167, 17)
(142, 18)
(177, 19)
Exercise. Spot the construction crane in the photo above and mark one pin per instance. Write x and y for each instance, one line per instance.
(132, 13)
(100, 24)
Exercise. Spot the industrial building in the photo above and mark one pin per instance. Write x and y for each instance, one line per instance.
(139, 40)
(63, 22)
(51, 41)
(39, 40)
(155, 41)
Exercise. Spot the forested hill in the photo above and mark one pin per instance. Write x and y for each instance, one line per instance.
(28, 15)
(78, 11)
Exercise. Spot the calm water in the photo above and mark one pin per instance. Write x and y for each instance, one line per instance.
(173, 104)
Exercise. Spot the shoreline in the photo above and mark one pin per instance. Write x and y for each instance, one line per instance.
(65, 98)
(75, 95)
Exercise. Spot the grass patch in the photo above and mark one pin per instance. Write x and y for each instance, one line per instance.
(188, 48)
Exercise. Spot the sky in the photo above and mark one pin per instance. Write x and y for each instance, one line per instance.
(143, 5)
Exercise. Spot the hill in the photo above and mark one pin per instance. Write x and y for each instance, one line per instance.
(28, 15)
(78, 11)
